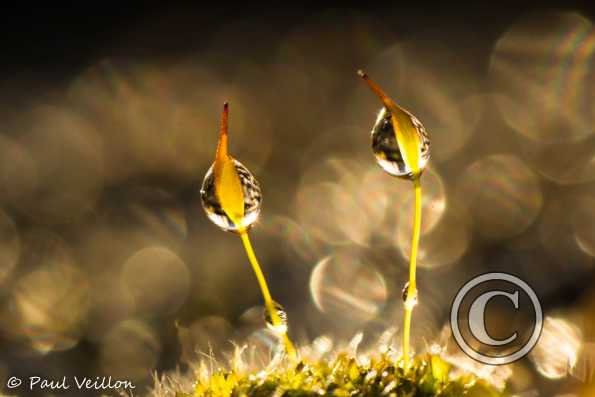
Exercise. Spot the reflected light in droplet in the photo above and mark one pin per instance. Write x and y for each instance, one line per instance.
(541, 67)
(503, 195)
(10, 246)
(157, 279)
(213, 207)
(387, 151)
(557, 350)
(345, 287)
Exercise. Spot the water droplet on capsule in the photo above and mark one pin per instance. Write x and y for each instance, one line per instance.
(387, 151)
(252, 200)
(405, 295)
(280, 328)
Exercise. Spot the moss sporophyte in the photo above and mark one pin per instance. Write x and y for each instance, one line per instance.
(402, 148)
(231, 198)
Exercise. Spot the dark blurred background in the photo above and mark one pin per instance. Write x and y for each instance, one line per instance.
(108, 122)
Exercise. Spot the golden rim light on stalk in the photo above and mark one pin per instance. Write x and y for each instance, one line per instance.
(411, 152)
(227, 191)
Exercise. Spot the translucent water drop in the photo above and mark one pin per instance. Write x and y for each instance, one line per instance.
(405, 291)
(252, 200)
(405, 295)
(281, 328)
(386, 149)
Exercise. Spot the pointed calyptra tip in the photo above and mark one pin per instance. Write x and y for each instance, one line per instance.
(222, 145)
(224, 119)
(386, 101)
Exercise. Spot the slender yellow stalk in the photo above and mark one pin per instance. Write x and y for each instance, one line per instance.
(408, 136)
(406, 332)
(412, 291)
(266, 294)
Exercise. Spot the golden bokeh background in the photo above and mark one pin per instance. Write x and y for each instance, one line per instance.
(108, 265)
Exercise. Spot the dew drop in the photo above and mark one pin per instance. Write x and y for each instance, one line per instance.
(405, 295)
(387, 151)
(281, 328)
(405, 291)
(252, 200)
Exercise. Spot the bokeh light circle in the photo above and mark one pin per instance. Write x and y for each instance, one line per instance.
(503, 195)
(52, 305)
(336, 207)
(157, 279)
(130, 351)
(542, 71)
(444, 244)
(343, 286)
(557, 350)
(583, 222)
